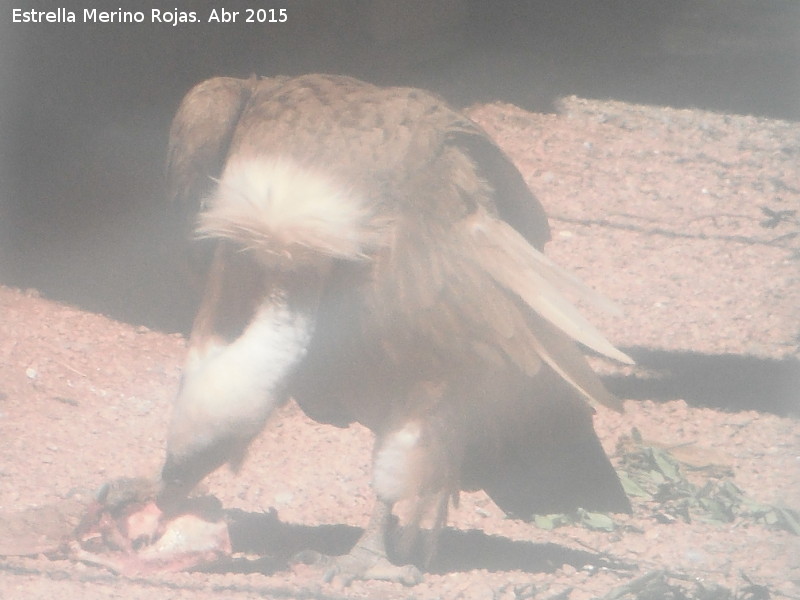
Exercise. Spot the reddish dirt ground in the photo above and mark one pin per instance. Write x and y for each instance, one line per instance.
(660, 209)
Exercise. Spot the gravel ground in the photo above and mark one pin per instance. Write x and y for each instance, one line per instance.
(666, 211)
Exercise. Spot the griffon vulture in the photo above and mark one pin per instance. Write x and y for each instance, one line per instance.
(375, 256)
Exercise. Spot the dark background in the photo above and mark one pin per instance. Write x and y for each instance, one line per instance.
(85, 109)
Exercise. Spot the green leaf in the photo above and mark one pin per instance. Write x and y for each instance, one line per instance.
(596, 521)
(791, 519)
(666, 464)
(544, 521)
(656, 477)
(632, 488)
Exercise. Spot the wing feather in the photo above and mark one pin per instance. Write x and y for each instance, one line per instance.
(514, 200)
(522, 269)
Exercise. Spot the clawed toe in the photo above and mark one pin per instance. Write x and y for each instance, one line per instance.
(348, 568)
(367, 560)
(360, 564)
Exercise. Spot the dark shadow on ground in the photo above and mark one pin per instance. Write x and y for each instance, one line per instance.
(721, 381)
(276, 543)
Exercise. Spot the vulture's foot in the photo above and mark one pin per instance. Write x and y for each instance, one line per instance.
(368, 559)
(361, 563)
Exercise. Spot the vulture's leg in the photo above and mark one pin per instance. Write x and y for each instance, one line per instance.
(412, 463)
(412, 540)
(399, 473)
(368, 559)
